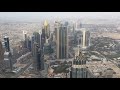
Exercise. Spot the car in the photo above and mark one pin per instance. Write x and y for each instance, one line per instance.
(16, 70)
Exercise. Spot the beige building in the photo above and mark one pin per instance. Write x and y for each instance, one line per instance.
(85, 39)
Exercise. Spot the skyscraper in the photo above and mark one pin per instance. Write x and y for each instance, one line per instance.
(61, 41)
(66, 23)
(47, 29)
(8, 60)
(43, 37)
(41, 50)
(1, 52)
(37, 38)
(79, 69)
(38, 41)
(6, 42)
(25, 38)
(39, 63)
(7, 54)
(29, 44)
(47, 48)
(32, 45)
(80, 25)
(73, 29)
(85, 39)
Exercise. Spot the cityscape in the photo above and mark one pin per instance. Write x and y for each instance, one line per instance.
(59, 45)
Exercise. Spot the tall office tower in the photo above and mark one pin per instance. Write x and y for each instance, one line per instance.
(29, 44)
(7, 53)
(42, 49)
(51, 37)
(85, 39)
(47, 29)
(32, 45)
(37, 56)
(80, 25)
(48, 48)
(38, 50)
(43, 37)
(37, 38)
(56, 25)
(25, 38)
(66, 23)
(39, 64)
(6, 42)
(8, 60)
(35, 47)
(62, 41)
(79, 69)
(1, 52)
(76, 25)
(73, 29)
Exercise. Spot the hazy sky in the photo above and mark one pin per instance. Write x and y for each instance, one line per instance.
(39, 15)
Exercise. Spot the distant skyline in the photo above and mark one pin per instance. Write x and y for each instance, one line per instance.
(46, 15)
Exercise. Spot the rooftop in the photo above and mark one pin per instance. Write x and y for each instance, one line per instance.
(6, 53)
(100, 67)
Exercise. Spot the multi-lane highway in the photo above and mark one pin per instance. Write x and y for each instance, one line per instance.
(22, 70)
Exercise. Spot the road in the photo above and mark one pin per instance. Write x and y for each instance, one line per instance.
(112, 65)
(22, 71)
(71, 59)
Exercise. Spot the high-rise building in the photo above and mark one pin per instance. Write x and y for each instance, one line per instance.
(51, 37)
(27, 41)
(25, 38)
(1, 52)
(47, 48)
(43, 37)
(6, 42)
(35, 47)
(37, 42)
(7, 54)
(61, 33)
(8, 60)
(79, 69)
(66, 23)
(80, 25)
(42, 50)
(37, 38)
(85, 39)
(73, 29)
(39, 63)
(47, 29)
(32, 45)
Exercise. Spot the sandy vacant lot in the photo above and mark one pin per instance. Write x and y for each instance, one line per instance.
(112, 35)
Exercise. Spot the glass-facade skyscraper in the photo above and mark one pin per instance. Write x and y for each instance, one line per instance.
(61, 32)
(78, 69)
(7, 44)
(85, 39)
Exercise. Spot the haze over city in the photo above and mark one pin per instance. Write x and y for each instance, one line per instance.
(36, 16)
(59, 44)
